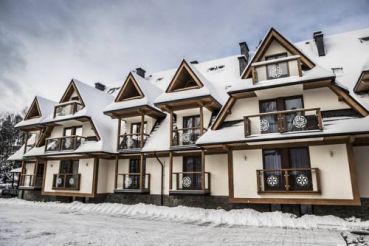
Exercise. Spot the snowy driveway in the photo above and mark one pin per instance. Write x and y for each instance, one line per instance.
(25, 225)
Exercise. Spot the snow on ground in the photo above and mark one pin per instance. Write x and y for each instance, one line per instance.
(33, 223)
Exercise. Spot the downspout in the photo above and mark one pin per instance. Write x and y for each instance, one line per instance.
(162, 180)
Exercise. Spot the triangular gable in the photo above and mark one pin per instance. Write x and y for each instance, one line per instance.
(184, 79)
(71, 94)
(34, 111)
(274, 35)
(130, 90)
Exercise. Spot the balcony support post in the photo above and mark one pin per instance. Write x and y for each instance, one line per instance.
(170, 169)
(203, 169)
(201, 120)
(142, 130)
(34, 173)
(141, 171)
(119, 129)
(286, 179)
(319, 116)
(116, 171)
(171, 128)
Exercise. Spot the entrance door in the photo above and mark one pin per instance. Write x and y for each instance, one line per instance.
(134, 174)
(39, 174)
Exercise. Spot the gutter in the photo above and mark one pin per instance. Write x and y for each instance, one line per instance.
(162, 179)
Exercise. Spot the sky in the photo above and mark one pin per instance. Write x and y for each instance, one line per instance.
(45, 43)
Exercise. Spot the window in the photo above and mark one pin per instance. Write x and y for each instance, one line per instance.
(68, 167)
(279, 69)
(192, 172)
(269, 123)
(136, 134)
(191, 129)
(297, 163)
(72, 131)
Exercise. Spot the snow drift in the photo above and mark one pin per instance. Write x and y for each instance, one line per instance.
(211, 217)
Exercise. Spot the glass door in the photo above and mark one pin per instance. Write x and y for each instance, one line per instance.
(269, 123)
(294, 120)
(191, 179)
(273, 175)
(133, 181)
(191, 129)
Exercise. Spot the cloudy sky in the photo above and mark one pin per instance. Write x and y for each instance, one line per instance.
(45, 43)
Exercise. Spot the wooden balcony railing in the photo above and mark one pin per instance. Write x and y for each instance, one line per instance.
(66, 181)
(186, 136)
(294, 180)
(132, 141)
(131, 182)
(276, 68)
(191, 182)
(67, 108)
(30, 180)
(284, 121)
(63, 143)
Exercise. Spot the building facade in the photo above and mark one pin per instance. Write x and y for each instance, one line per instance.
(284, 127)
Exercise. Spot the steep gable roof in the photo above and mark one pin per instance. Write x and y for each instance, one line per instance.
(70, 91)
(272, 35)
(130, 90)
(184, 79)
(33, 111)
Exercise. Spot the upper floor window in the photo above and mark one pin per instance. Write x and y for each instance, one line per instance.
(278, 69)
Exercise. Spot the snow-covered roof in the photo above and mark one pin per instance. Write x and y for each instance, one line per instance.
(216, 76)
(16, 170)
(150, 93)
(46, 107)
(18, 155)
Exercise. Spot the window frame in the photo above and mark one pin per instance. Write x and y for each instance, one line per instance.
(272, 57)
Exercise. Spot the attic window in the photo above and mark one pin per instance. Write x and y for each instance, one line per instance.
(113, 90)
(337, 70)
(75, 98)
(159, 79)
(216, 68)
(364, 40)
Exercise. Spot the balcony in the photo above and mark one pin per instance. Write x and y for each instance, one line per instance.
(293, 180)
(66, 181)
(30, 181)
(132, 141)
(68, 108)
(63, 143)
(284, 121)
(131, 183)
(276, 68)
(186, 136)
(196, 183)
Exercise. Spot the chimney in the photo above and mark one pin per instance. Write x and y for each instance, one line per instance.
(194, 62)
(244, 58)
(100, 86)
(140, 72)
(318, 37)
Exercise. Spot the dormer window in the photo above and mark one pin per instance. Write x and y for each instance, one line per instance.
(278, 69)
(364, 40)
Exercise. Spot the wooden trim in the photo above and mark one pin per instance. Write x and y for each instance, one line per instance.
(170, 169)
(44, 177)
(201, 120)
(34, 173)
(353, 173)
(223, 113)
(72, 84)
(34, 102)
(349, 100)
(348, 202)
(182, 66)
(142, 127)
(130, 78)
(142, 171)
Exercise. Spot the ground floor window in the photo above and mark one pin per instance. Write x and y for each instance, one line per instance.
(287, 169)
(133, 181)
(68, 177)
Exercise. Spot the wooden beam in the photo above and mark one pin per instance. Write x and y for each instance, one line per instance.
(119, 129)
(349, 100)
(353, 173)
(116, 171)
(230, 173)
(34, 173)
(171, 128)
(142, 130)
(203, 170)
(170, 169)
(201, 120)
(141, 171)
(95, 176)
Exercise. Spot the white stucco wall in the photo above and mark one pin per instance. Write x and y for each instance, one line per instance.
(334, 173)
(105, 181)
(85, 168)
(87, 129)
(323, 98)
(361, 158)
